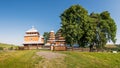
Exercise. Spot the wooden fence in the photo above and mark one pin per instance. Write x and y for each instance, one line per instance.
(58, 48)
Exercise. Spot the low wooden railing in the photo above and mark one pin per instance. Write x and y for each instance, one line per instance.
(58, 48)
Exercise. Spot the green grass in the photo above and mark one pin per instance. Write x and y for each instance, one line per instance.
(92, 60)
(29, 59)
(19, 59)
(6, 45)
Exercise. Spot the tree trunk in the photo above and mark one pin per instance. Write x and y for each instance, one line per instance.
(71, 46)
(91, 48)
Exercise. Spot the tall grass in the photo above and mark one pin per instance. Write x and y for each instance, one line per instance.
(19, 59)
(92, 60)
(73, 59)
(6, 45)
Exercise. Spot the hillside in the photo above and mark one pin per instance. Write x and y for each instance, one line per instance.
(64, 59)
(6, 45)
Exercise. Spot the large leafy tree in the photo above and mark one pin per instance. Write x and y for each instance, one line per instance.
(74, 20)
(83, 29)
(105, 29)
(109, 26)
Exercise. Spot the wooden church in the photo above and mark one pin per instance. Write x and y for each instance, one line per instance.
(56, 41)
(32, 39)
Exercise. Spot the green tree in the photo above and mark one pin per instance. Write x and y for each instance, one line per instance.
(109, 26)
(46, 36)
(74, 19)
(87, 30)
(105, 29)
(95, 19)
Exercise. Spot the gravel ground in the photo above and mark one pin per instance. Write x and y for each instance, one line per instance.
(50, 55)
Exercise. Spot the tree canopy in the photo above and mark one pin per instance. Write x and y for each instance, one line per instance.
(73, 20)
(87, 30)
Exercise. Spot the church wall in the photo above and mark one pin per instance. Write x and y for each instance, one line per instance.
(42, 40)
(58, 48)
(32, 38)
(33, 46)
(60, 43)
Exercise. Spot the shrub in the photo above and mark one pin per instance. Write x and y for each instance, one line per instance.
(1, 48)
(11, 48)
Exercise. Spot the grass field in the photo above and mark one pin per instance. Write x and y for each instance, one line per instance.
(92, 60)
(7, 46)
(29, 59)
(18, 59)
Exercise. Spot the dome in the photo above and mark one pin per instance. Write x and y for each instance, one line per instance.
(32, 30)
(51, 31)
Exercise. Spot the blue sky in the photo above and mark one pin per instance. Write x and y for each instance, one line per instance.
(17, 16)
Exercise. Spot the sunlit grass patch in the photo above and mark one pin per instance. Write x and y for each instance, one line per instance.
(19, 59)
(72, 59)
(92, 60)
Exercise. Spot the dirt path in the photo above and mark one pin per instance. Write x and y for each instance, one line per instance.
(50, 55)
(51, 60)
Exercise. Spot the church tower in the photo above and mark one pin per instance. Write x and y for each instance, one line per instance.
(32, 39)
(51, 39)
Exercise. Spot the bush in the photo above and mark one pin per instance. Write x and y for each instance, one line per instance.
(1, 48)
(21, 48)
(115, 49)
(11, 48)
